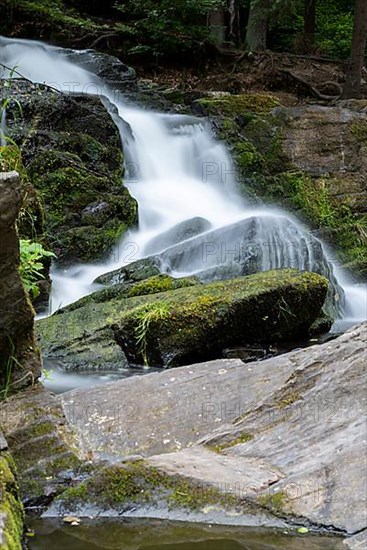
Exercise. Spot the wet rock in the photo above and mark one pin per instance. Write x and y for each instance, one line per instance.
(110, 69)
(74, 161)
(20, 363)
(192, 323)
(136, 271)
(180, 232)
(257, 243)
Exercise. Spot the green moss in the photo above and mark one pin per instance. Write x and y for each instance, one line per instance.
(234, 105)
(359, 131)
(243, 438)
(83, 172)
(276, 502)
(247, 157)
(118, 486)
(160, 283)
(193, 497)
(202, 320)
(288, 399)
(10, 505)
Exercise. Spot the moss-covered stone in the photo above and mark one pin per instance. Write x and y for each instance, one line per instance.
(192, 323)
(152, 285)
(239, 440)
(120, 486)
(43, 447)
(72, 157)
(277, 503)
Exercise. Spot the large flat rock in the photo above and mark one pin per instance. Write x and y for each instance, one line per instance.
(287, 434)
(167, 411)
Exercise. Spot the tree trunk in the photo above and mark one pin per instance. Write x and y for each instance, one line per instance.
(217, 24)
(352, 88)
(257, 25)
(309, 24)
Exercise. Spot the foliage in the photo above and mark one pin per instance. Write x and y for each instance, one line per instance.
(164, 27)
(334, 27)
(31, 266)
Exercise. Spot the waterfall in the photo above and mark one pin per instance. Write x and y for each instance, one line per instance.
(190, 213)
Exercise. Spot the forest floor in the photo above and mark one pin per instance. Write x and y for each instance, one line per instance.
(295, 77)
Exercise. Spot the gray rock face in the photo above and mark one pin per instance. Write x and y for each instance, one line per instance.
(136, 271)
(180, 232)
(288, 432)
(257, 243)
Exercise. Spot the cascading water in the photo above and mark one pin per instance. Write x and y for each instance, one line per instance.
(190, 215)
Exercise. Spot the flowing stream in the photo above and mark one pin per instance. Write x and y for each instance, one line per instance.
(195, 222)
(190, 213)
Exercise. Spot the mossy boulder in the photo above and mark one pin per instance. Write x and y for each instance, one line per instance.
(151, 285)
(188, 324)
(309, 159)
(72, 156)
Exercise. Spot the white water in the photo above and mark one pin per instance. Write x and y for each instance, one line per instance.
(176, 171)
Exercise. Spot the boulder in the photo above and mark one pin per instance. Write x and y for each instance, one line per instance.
(177, 326)
(177, 234)
(43, 446)
(260, 242)
(131, 273)
(74, 162)
(286, 435)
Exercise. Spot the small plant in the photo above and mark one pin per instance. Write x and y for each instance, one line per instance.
(31, 267)
(146, 315)
(4, 139)
(10, 364)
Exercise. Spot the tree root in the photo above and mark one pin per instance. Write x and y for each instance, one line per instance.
(312, 89)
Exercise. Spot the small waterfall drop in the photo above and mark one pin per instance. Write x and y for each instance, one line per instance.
(182, 177)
